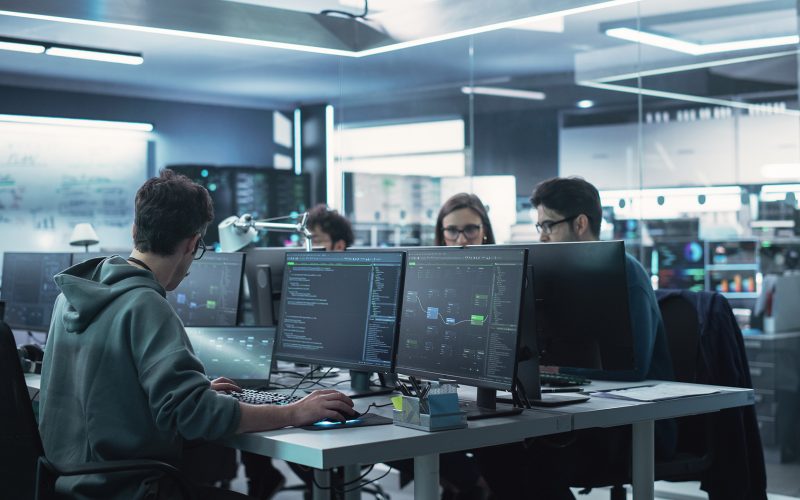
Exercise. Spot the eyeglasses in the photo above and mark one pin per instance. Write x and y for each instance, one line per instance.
(199, 249)
(546, 227)
(469, 231)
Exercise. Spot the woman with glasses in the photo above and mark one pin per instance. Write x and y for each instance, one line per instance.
(463, 220)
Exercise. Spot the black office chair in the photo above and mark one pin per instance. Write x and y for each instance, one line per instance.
(695, 446)
(25, 471)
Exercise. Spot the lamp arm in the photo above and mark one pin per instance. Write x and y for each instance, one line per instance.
(246, 221)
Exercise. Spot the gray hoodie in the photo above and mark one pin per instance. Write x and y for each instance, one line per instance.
(120, 381)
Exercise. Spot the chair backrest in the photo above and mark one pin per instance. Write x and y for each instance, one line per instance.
(682, 326)
(20, 443)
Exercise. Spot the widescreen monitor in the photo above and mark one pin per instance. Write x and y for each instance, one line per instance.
(461, 315)
(340, 309)
(581, 317)
(209, 295)
(28, 288)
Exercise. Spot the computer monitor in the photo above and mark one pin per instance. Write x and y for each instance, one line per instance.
(209, 295)
(242, 354)
(461, 316)
(264, 273)
(581, 316)
(340, 309)
(28, 288)
(679, 264)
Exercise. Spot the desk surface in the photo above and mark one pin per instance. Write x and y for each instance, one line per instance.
(336, 447)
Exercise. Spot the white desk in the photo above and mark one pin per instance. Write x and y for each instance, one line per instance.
(351, 447)
(606, 412)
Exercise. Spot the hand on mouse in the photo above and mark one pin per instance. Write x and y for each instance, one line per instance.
(319, 405)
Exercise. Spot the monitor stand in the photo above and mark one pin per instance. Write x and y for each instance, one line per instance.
(360, 386)
(487, 406)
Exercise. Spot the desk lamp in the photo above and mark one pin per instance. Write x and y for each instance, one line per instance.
(83, 235)
(236, 232)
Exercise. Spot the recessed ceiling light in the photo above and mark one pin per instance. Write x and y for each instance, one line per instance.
(503, 92)
(585, 103)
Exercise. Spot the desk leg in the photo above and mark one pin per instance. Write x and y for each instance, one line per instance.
(643, 460)
(426, 477)
(322, 482)
(351, 474)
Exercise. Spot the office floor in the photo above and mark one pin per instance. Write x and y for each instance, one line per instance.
(783, 483)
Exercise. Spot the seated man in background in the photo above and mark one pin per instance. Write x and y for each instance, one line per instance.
(569, 209)
(119, 378)
(329, 229)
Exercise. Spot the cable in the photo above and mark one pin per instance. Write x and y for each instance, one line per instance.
(35, 394)
(38, 342)
(369, 482)
(363, 15)
(310, 372)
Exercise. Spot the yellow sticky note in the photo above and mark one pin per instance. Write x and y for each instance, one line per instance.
(397, 402)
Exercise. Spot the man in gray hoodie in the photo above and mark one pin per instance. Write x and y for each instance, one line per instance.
(119, 379)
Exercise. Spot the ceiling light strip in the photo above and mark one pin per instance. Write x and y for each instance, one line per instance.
(184, 34)
(696, 49)
(30, 48)
(77, 122)
(686, 97)
(504, 92)
(94, 55)
(694, 66)
(322, 50)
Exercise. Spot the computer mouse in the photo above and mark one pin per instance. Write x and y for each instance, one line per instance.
(344, 418)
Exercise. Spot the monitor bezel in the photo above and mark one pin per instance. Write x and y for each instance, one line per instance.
(473, 382)
(321, 360)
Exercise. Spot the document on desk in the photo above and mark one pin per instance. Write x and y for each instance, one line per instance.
(657, 392)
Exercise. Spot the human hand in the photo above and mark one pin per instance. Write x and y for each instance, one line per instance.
(320, 405)
(223, 384)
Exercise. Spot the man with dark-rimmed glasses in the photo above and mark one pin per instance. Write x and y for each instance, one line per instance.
(568, 210)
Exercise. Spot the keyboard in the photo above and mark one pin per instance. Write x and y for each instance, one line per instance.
(254, 397)
(561, 379)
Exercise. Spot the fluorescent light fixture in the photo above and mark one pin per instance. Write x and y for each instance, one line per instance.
(780, 170)
(780, 188)
(95, 55)
(697, 49)
(30, 48)
(331, 168)
(502, 92)
(585, 103)
(322, 50)
(297, 142)
(77, 122)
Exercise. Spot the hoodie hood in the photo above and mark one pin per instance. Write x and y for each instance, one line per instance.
(90, 286)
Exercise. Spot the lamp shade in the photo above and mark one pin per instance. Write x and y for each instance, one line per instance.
(83, 235)
(232, 238)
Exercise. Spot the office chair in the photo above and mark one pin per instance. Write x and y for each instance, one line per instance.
(695, 447)
(26, 472)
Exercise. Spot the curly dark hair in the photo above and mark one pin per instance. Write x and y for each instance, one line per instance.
(170, 208)
(457, 202)
(331, 223)
(570, 196)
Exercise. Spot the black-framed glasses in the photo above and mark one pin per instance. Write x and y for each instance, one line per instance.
(199, 249)
(546, 227)
(469, 231)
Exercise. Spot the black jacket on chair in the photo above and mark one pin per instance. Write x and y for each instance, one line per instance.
(738, 471)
